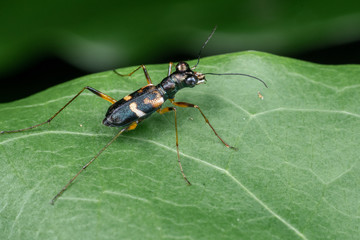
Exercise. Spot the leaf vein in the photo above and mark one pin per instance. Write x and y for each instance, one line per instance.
(281, 109)
(80, 199)
(251, 194)
(126, 195)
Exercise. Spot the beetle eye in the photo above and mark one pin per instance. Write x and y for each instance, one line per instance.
(182, 67)
(191, 81)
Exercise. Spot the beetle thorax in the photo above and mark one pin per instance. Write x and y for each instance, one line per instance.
(181, 78)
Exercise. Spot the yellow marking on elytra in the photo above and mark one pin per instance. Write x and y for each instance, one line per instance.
(127, 98)
(134, 109)
(142, 89)
(156, 102)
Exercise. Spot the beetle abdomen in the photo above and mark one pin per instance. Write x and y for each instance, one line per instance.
(136, 106)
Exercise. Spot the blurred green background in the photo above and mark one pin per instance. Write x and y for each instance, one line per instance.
(44, 43)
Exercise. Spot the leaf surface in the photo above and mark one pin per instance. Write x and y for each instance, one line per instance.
(295, 175)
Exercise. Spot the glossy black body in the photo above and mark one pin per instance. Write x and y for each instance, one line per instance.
(143, 102)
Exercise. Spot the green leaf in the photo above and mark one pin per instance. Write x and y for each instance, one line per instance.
(295, 175)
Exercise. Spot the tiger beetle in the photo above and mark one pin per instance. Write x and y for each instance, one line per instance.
(129, 111)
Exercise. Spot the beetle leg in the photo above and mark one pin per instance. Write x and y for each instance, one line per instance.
(147, 76)
(170, 68)
(165, 110)
(98, 93)
(131, 127)
(184, 104)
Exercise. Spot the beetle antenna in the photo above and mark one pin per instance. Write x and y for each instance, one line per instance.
(240, 74)
(203, 46)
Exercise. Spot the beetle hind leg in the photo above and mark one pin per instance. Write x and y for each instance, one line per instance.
(96, 92)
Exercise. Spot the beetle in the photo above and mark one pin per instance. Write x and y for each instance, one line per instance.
(132, 109)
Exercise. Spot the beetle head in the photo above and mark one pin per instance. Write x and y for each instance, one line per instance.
(188, 77)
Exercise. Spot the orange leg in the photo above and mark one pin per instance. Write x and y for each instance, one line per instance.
(165, 110)
(131, 127)
(98, 93)
(170, 68)
(147, 76)
(184, 104)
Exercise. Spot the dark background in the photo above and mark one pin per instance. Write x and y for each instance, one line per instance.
(44, 43)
